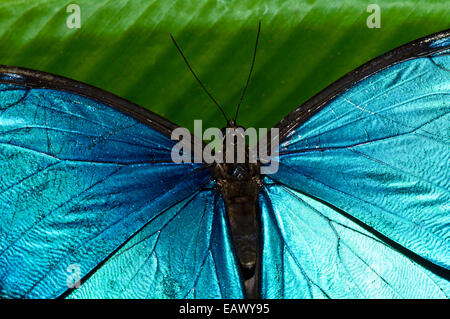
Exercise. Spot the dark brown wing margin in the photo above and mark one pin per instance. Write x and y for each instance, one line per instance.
(411, 50)
(37, 79)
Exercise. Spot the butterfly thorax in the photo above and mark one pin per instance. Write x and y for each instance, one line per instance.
(239, 184)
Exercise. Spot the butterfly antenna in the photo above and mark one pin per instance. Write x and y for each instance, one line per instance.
(198, 80)
(250, 73)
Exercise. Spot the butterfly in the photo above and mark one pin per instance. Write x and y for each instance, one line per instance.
(359, 206)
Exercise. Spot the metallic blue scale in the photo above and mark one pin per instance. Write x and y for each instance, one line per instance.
(379, 152)
(164, 260)
(78, 179)
(313, 251)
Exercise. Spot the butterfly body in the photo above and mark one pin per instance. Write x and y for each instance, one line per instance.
(239, 184)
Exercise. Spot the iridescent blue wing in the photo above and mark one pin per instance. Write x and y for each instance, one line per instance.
(375, 145)
(314, 250)
(84, 175)
(182, 253)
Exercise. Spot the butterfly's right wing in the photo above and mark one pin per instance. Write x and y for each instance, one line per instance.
(89, 191)
(184, 252)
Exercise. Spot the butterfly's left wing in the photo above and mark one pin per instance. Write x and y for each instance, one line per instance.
(363, 182)
(314, 250)
(89, 190)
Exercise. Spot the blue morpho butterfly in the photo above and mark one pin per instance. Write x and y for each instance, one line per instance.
(359, 207)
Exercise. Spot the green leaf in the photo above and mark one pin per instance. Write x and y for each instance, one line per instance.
(124, 47)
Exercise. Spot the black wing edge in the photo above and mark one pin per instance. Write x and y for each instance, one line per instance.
(415, 49)
(38, 79)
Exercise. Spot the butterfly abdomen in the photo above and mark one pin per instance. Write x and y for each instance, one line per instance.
(239, 185)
